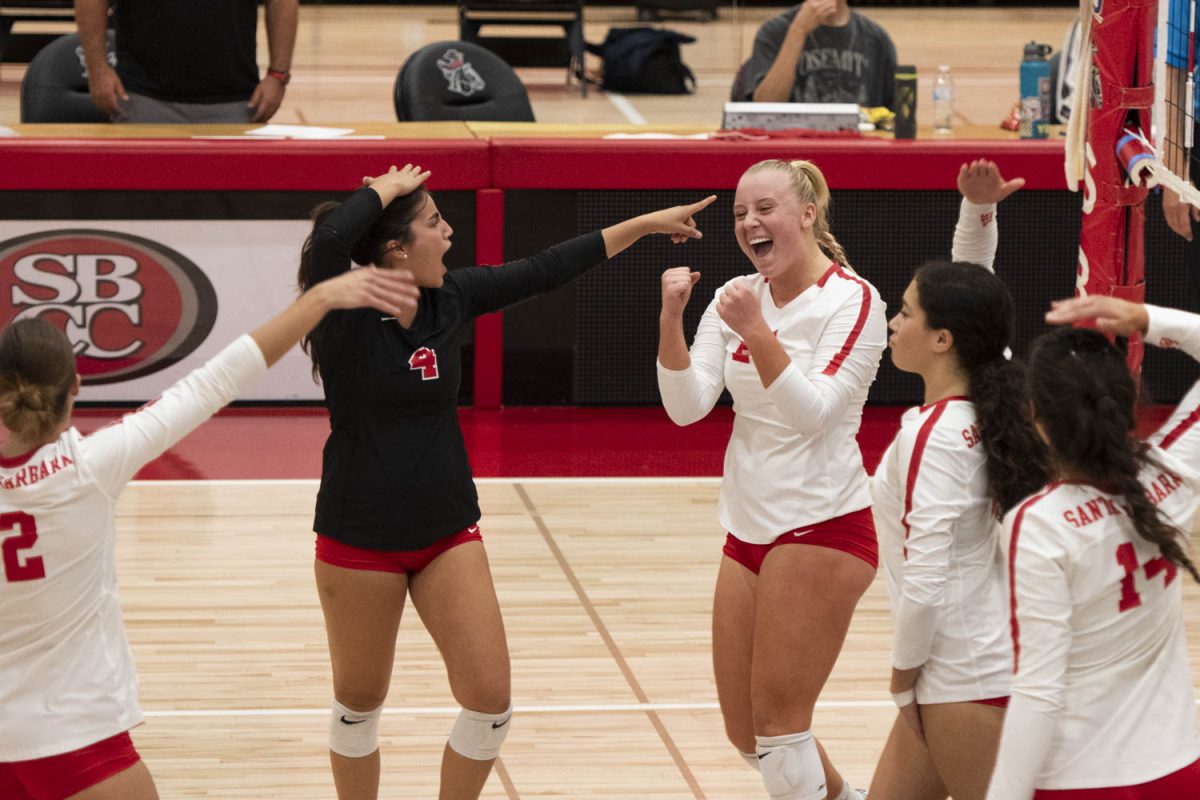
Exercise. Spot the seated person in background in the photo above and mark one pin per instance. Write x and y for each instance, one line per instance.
(180, 61)
(819, 52)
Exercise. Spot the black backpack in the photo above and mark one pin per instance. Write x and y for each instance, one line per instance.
(645, 61)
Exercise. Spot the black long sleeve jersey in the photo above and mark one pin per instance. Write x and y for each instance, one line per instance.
(395, 474)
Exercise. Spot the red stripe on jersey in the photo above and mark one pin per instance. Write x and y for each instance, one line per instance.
(1179, 430)
(914, 465)
(863, 310)
(1012, 573)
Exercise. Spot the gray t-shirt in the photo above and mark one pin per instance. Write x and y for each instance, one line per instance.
(854, 63)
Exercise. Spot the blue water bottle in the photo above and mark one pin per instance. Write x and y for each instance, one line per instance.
(1035, 91)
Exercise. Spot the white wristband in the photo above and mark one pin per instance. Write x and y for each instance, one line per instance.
(905, 698)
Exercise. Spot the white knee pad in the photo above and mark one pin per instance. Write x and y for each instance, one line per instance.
(353, 734)
(478, 736)
(791, 767)
(751, 759)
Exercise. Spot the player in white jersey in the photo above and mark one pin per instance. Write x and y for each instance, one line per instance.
(965, 456)
(1103, 705)
(797, 345)
(68, 688)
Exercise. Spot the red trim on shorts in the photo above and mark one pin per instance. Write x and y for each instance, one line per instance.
(1014, 627)
(864, 310)
(58, 777)
(1183, 784)
(914, 464)
(409, 562)
(998, 702)
(1179, 430)
(852, 533)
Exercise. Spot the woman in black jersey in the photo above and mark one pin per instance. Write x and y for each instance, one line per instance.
(397, 511)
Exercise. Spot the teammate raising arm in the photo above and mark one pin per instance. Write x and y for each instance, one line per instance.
(68, 688)
(397, 511)
(1103, 704)
(960, 460)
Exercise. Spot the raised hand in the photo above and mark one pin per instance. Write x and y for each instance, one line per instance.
(391, 291)
(677, 283)
(678, 221)
(813, 14)
(397, 182)
(1178, 214)
(1111, 314)
(981, 182)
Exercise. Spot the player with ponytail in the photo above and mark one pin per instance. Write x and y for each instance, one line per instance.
(960, 460)
(797, 344)
(1103, 704)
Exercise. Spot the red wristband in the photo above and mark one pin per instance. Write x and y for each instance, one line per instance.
(282, 77)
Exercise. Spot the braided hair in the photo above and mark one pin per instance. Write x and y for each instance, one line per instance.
(37, 374)
(1083, 398)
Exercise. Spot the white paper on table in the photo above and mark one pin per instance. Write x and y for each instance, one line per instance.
(656, 136)
(300, 131)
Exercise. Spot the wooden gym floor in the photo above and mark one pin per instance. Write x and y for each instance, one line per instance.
(606, 589)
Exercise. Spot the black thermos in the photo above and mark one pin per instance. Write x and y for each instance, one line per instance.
(906, 101)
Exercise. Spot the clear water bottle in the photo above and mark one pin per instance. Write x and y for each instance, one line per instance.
(943, 100)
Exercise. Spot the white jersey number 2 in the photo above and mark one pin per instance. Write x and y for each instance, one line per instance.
(15, 567)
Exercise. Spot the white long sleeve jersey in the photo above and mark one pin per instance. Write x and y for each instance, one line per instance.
(67, 677)
(1103, 694)
(792, 458)
(939, 541)
(940, 546)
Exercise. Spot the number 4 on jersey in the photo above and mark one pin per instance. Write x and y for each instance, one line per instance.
(425, 360)
(1127, 558)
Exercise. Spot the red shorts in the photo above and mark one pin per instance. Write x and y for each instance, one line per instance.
(340, 554)
(60, 776)
(1182, 784)
(998, 702)
(852, 533)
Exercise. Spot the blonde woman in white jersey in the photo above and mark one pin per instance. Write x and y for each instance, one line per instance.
(797, 345)
(1103, 704)
(959, 461)
(68, 688)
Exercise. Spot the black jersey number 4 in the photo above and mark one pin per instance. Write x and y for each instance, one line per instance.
(425, 360)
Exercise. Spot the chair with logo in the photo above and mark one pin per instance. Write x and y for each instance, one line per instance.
(55, 86)
(459, 80)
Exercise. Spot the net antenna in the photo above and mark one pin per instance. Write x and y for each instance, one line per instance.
(1076, 155)
(1172, 147)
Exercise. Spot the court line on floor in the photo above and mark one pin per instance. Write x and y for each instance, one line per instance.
(613, 649)
(702, 479)
(626, 108)
(449, 711)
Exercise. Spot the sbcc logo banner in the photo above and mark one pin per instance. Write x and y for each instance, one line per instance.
(129, 305)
